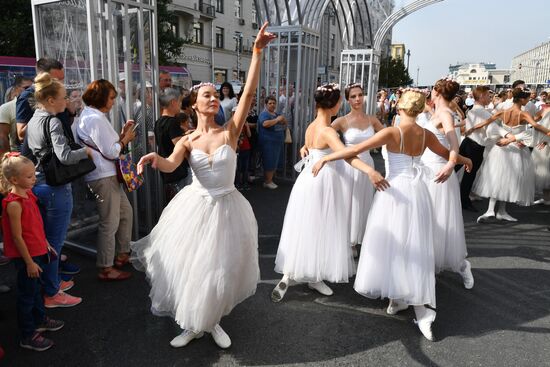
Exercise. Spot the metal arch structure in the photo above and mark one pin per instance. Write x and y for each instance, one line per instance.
(374, 69)
(291, 63)
(353, 17)
(298, 24)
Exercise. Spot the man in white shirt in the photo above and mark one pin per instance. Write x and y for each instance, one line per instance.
(8, 121)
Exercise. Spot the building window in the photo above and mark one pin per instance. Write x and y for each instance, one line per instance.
(332, 42)
(219, 37)
(238, 11)
(332, 62)
(198, 33)
(219, 6)
(253, 13)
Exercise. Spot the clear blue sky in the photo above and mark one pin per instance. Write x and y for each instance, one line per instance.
(470, 30)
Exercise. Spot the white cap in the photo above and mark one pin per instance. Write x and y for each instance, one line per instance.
(122, 77)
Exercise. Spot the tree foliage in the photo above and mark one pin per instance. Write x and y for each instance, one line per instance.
(16, 32)
(170, 45)
(393, 73)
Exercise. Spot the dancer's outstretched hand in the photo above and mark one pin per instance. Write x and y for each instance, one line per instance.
(145, 160)
(378, 181)
(263, 37)
(317, 166)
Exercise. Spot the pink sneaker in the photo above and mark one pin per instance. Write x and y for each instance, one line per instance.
(61, 299)
(66, 285)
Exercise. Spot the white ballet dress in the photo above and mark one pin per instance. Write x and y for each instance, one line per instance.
(541, 158)
(507, 173)
(397, 257)
(449, 239)
(362, 190)
(314, 244)
(202, 256)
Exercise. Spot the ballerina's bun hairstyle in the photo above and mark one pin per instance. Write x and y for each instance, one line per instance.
(447, 88)
(412, 102)
(349, 87)
(327, 95)
(10, 165)
(46, 87)
(518, 94)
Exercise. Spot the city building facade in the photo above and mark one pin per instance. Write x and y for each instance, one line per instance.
(474, 74)
(220, 36)
(533, 66)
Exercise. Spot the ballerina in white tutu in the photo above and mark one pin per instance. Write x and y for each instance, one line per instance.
(397, 258)
(541, 161)
(202, 256)
(507, 173)
(357, 127)
(449, 240)
(314, 244)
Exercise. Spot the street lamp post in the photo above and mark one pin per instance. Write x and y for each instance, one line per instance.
(417, 74)
(408, 59)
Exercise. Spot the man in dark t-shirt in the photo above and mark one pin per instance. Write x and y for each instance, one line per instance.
(167, 133)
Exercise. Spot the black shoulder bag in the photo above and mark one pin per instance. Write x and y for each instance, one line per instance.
(57, 173)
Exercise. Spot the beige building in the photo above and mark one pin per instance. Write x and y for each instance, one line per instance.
(220, 34)
(398, 51)
(533, 66)
(474, 74)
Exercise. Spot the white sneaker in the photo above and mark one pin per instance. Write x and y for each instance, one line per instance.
(506, 216)
(485, 217)
(321, 287)
(220, 337)
(270, 185)
(184, 338)
(279, 291)
(466, 274)
(394, 307)
(539, 201)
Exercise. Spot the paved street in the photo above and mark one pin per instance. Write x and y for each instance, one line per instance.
(503, 321)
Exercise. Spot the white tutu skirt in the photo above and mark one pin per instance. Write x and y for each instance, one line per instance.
(506, 174)
(541, 161)
(397, 256)
(314, 242)
(362, 193)
(449, 240)
(201, 258)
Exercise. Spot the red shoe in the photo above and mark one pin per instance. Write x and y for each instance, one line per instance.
(61, 299)
(112, 274)
(66, 285)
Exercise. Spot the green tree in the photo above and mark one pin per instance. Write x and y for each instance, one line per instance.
(16, 35)
(393, 73)
(170, 45)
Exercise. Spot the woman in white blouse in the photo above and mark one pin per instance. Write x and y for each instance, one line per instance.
(115, 212)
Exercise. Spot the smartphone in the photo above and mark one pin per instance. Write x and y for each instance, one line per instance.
(135, 126)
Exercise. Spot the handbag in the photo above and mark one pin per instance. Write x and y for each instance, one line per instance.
(288, 136)
(57, 173)
(126, 170)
